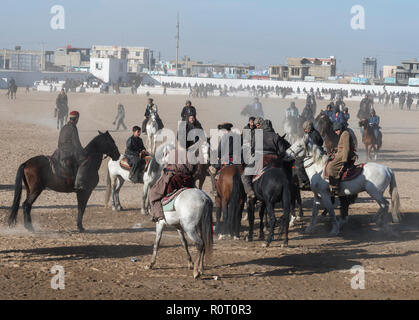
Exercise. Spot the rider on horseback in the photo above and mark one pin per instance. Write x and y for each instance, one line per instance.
(292, 111)
(343, 159)
(317, 139)
(70, 152)
(135, 154)
(61, 104)
(374, 122)
(151, 107)
(175, 176)
(272, 153)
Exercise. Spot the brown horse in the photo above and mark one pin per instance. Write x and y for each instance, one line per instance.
(229, 201)
(324, 126)
(369, 140)
(37, 175)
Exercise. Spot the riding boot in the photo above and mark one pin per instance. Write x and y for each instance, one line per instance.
(80, 183)
(157, 211)
(247, 184)
(334, 186)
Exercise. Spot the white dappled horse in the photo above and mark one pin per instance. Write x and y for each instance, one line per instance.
(192, 214)
(151, 128)
(374, 179)
(117, 176)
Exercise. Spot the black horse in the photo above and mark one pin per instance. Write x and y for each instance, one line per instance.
(275, 185)
(37, 174)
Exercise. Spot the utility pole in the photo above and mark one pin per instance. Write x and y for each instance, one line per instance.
(177, 42)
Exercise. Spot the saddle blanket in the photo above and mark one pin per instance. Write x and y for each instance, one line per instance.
(351, 173)
(124, 163)
(168, 202)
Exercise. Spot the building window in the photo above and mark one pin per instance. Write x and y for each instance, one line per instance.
(98, 66)
(295, 71)
(137, 54)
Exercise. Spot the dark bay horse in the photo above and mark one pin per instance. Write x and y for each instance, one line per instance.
(37, 175)
(369, 139)
(229, 201)
(324, 126)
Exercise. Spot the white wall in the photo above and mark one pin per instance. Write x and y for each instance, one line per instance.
(27, 78)
(293, 84)
(110, 69)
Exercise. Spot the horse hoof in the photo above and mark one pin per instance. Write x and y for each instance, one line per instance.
(148, 267)
(265, 245)
(190, 265)
(113, 208)
(236, 238)
(81, 229)
(30, 228)
(221, 237)
(196, 274)
(119, 208)
(262, 237)
(284, 245)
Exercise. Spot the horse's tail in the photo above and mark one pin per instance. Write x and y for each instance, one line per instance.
(207, 227)
(233, 212)
(108, 188)
(395, 199)
(18, 193)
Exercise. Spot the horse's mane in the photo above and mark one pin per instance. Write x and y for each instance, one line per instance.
(317, 153)
(94, 141)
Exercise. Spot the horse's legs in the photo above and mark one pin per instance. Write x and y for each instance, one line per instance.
(185, 245)
(199, 260)
(261, 225)
(159, 230)
(251, 218)
(82, 198)
(120, 182)
(217, 215)
(272, 222)
(300, 204)
(382, 214)
(327, 202)
(314, 213)
(27, 206)
(144, 208)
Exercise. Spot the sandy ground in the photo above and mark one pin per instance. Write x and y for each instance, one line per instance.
(98, 263)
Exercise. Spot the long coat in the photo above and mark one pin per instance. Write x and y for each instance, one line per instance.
(345, 154)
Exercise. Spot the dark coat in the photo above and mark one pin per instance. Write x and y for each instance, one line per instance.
(187, 112)
(272, 143)
(316, 137)
(69, 143)
(134, 146)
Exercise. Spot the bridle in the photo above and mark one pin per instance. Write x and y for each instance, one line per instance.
(305, 159)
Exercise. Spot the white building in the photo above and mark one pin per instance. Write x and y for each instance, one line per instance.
(138, 57)
(109, 70)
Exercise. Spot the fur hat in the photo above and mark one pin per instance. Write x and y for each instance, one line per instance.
(258, 120)
(225, 125)
(308, 125)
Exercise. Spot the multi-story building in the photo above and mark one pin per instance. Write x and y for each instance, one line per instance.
(138, 58)
(319, 68)
(25, 60)
(369, 68)
(408, 69)
(72, 59)
(278, 72)
(220, 70)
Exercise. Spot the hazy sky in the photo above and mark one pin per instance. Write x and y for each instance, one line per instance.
(258, 32)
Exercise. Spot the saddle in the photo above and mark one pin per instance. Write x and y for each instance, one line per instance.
(125, 165)
(63, 169)
(352, 172)
(168, 202)
(269, 161)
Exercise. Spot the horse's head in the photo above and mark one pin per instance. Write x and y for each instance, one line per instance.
(107, 145)
(299, 150)
(363, 123)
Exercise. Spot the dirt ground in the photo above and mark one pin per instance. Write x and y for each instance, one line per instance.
(98, 263)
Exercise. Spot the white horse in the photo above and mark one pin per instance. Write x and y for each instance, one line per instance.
(193, 215)
(117, 176)
(152, 127)
(374, 180)
(291, 129)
